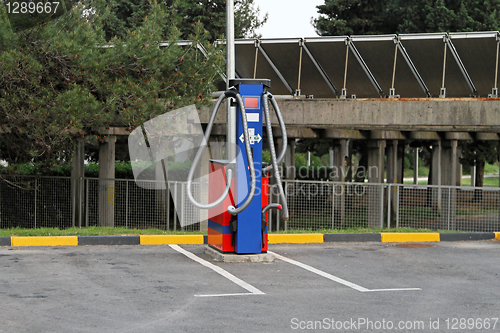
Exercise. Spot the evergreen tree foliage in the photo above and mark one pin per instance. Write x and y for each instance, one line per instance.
(61, 80)
(27, 14)
(186, 14)
(367, 17)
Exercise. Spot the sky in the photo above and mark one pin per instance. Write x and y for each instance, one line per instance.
(288, 18)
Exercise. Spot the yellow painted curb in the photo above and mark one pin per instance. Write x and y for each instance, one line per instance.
(296, 238)
(497, 235)
(45, 241)
(409, 237)
(171, 239)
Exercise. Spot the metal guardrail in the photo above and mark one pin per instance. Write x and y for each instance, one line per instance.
(36, 201)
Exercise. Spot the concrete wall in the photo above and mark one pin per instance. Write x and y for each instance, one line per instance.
(467, 114)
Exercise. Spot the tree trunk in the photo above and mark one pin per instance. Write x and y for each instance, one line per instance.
(478, 194)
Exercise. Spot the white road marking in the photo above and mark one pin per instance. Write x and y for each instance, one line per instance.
(395, 289)
(335, 278)
(237, 294)
(224, 273)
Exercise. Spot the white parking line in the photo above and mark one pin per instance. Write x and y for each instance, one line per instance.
(252, 290)
(335, 278)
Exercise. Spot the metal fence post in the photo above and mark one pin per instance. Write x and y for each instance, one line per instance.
(80, 203)
(333, 206)
(382, 205)
(389, 188)
(397, 206)
(182, 215)
(449, 206)
(277, 213)
(87, 205)
(175, 210)
(126, 204)
(270, 212)
(36, 184)
(286, 222)
(168, 205)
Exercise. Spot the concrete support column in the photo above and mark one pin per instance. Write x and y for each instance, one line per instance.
(339, 170)
(392, 161)
(459, 167)
(434, 195)
(350, 171)
(161, 193)
(77, 183)
(290, 159)
(216, 147)
(437, 152)
(400, 162)
(274, 214)
(332, 157)
(449, 201)
(376, 153)
(107, 182)
(393, 174)
(449, 162)
(473, 176)
(415, 165)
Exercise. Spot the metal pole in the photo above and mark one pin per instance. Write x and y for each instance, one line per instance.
(181, 217)
(382, 206)
(80, 201)
(231, 74)
(270, 212)
(397, 207)
(255, 64)
(389, 188)
(344, 90)
(444, 66)
(297, 92)
(175, 210)
(168, 205)
(126, 204)
(333, 206)
(449, 206)
(36, 183)
(87, 205)
(415, 166)
(394, 68)
(496, 67)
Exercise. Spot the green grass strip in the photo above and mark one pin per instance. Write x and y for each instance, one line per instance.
(109, 231)
(91, 231)
(357, 230)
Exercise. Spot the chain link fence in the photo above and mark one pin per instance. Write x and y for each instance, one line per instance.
(62, 202)
(446, 208)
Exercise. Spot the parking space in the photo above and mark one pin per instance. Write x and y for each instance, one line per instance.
(157, 288)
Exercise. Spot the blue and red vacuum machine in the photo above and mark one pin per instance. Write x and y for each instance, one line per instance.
(239, 189)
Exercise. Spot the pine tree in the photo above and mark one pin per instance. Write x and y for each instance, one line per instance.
(126, 14)
(61, 80)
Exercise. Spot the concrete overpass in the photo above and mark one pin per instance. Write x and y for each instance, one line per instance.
(386, 124)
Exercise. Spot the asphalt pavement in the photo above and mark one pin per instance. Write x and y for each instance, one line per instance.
(343, 287)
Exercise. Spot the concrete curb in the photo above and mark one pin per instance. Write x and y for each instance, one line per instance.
(368, 237)
(453, 237)
(109, 240)
(295, 238)
(5, 241)
(273, 239)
